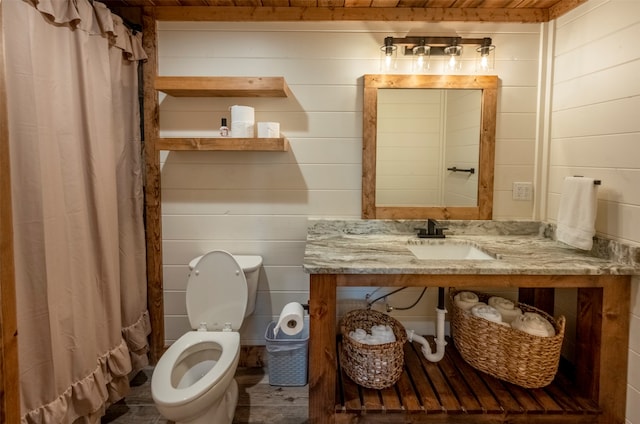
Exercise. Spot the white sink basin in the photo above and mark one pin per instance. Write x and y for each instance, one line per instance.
(449, 250)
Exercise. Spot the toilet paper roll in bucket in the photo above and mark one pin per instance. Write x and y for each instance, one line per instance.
(268, 129)
(291, 320)
(242, 121)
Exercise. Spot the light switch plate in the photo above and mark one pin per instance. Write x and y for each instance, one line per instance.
(522, 191)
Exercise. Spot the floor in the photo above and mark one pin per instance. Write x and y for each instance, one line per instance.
(258, 401)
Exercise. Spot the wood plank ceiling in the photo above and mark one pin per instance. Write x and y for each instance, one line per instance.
(363, 10)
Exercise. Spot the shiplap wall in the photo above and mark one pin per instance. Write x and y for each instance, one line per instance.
(595, 130)
(259, 202)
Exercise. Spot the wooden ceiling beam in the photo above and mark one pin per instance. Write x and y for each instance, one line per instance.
(563, 7)
(235, 13)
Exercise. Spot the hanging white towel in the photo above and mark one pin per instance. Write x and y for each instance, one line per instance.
(577, 212)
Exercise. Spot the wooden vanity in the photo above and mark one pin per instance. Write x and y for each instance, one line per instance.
(356, 253)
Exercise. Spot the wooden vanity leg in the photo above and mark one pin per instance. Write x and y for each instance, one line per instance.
(602, 344)
(543, 299)
(322, 349)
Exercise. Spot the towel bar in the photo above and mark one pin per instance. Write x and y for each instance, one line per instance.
(456, 169)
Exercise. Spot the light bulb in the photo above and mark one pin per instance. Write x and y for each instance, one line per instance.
(453, 64)
(485, 58)
(388, 56)
(484, 63)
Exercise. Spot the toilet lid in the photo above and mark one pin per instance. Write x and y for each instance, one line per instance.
(216, 292)
(247, 262)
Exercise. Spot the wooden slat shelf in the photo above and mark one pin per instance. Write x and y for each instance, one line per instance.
(224, 144)
(223, 86)
(451, 391)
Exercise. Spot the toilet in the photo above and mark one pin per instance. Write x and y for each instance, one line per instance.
(193, 381)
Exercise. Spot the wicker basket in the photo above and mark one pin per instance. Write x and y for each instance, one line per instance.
(510, 355)
(372, 366)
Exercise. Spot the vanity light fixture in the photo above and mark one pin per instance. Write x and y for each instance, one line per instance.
(422, 48)
(486, 57)
(389, 53)
(421, 55)
(452, 63)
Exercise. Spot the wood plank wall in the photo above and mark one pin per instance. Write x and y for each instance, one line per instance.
(596, 130)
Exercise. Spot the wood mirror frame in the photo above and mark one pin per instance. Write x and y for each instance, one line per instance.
(489, 86)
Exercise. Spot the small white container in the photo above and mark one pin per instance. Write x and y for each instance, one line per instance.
(268, 130)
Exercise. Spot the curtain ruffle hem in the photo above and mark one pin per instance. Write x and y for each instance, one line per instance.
(96, 19)
(138, 343)
(86, 400)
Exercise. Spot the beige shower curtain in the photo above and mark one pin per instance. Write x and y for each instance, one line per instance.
(74, 139)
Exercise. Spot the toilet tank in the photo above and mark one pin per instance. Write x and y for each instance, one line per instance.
(251, 265)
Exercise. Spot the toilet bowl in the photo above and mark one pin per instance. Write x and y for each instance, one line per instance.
(193, 381)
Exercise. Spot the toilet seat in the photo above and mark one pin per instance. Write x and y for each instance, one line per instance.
(163, 390)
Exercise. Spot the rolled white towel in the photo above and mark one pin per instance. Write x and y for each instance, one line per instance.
(506, 307)
(358, 335)
(482, 310)
(384, 333)
(534, 324)
(465, 300)
(380, 334)
(372, 340)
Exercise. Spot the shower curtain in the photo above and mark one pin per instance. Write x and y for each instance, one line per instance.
(76, 174)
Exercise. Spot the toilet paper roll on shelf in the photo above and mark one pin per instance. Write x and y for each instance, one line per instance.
(268, 130)
(243, 129)
(291, 320)
(242, 121)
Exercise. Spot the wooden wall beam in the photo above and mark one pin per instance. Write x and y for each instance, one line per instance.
(9, 374)
(153, 201)
(440, 14)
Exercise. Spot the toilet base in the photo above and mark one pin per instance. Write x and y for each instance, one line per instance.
(221, 413)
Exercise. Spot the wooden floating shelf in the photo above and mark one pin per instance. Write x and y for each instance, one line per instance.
(223, 86)
(224, 144)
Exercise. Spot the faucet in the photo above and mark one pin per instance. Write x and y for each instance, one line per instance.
(433, 230)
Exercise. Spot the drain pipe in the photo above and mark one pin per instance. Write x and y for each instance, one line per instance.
(440, 341)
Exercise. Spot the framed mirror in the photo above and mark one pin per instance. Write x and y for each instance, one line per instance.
(428, 146)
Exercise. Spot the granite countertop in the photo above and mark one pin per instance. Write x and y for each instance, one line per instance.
(520, 247)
